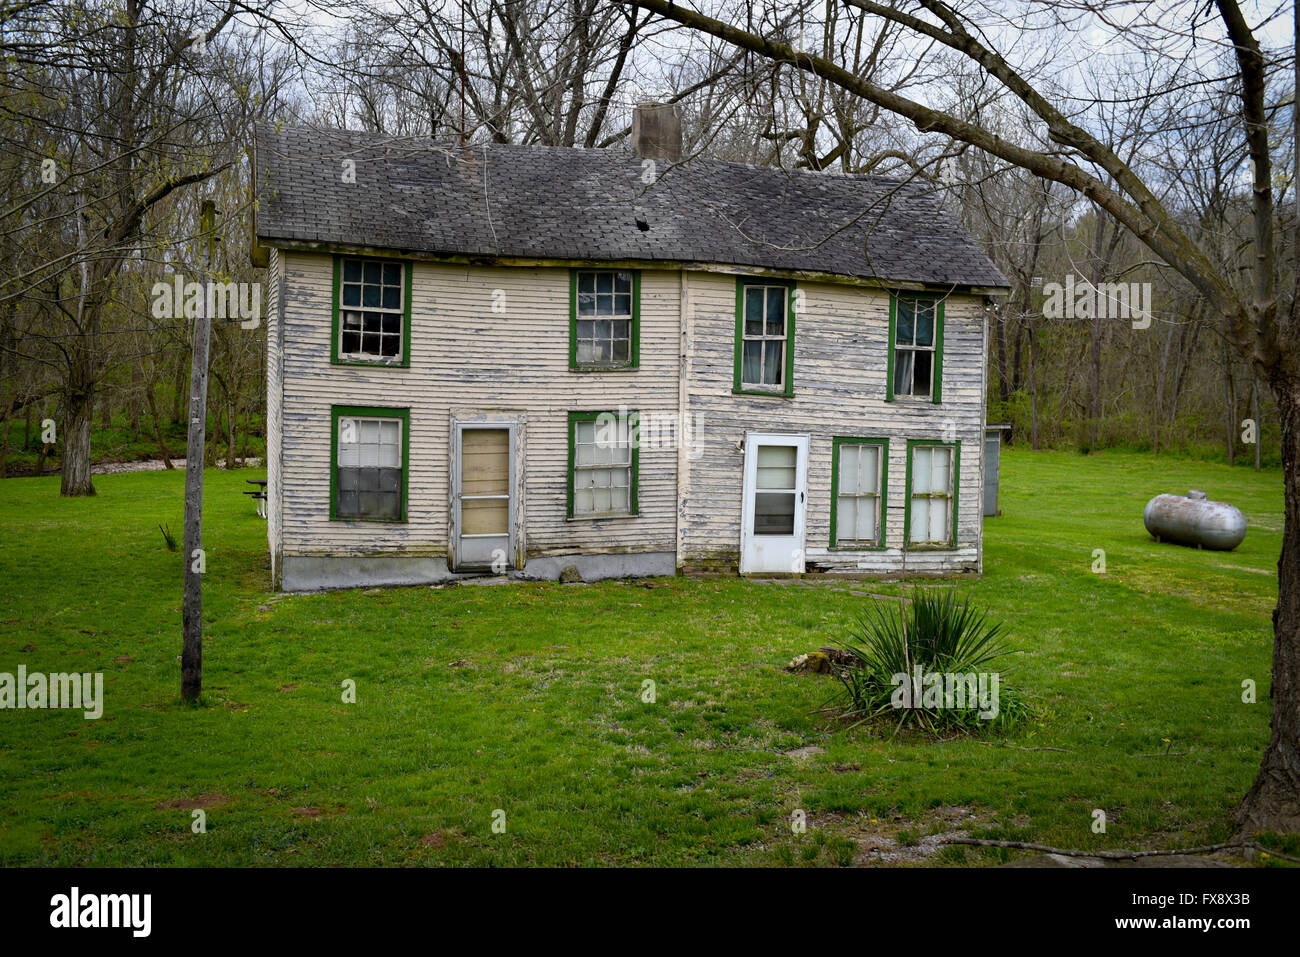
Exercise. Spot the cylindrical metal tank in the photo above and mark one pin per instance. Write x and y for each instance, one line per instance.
(1193, 519)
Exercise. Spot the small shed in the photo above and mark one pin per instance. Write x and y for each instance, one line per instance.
(993, 433)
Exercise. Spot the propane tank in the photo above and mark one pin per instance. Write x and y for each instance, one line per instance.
(1194, 520)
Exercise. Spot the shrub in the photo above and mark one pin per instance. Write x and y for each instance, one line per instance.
(942, 637)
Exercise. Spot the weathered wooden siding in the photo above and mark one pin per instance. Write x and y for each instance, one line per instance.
(839, 390)
(274, 410)
(467, 358)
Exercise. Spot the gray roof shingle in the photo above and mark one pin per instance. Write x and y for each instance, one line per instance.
(559, 203)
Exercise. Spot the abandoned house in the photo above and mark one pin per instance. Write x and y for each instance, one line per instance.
(512, 359)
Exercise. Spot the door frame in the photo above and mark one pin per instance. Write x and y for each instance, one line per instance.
(801, 442)
(514, 424)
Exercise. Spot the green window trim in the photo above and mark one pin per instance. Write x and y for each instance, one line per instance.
(738, 387)
(836, 444)
(956, 492)
(374, 412)
(634, 426)
(336, 358)
(634, 350)
(936, 374)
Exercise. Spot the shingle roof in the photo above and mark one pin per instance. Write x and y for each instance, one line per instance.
(560, 203)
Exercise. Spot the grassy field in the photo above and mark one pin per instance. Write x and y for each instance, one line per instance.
(528, 699)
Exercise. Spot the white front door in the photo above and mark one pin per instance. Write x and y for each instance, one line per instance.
(775, 490)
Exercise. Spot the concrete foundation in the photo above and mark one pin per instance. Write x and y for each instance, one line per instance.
(321, 572)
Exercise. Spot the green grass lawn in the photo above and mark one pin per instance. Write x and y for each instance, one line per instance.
(528, 698)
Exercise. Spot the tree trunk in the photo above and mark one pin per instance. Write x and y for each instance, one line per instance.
(1254, 417)
(1273, 802)
(1230, 407)
(152, 400)
(1033, 389)
(75, 440)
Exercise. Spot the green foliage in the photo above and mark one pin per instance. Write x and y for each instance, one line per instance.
(941, 635)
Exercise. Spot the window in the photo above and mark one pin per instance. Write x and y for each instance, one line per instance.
(858, 483)
(931, 495)
(368, 464)
(764, 337)
(604, 319)
(602, 464)
(916, 347)
(372, 311)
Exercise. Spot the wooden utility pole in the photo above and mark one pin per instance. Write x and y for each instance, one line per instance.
(195, 560)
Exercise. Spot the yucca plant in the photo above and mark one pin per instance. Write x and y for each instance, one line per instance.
(938, 635)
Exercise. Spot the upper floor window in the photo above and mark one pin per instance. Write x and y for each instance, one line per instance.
(372, 311)
(604, 318)
(764, 337)
(915, 346)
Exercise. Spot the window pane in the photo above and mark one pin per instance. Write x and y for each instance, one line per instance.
(921, 379)
(925, 323)
(776, 466)
(866, 524)
(848, 477)
(605, 282)
(921, 465)
(773, 362)
(351, 270)
(903, 372)
(621, 350)
(586, 282)
(392, 274)
(351, 295)
(623, 283)
(868, 468)
(775, 312)
(392, 297)
(939, 459)
(903, 322)
(370, 296)
(351, 342)
(749, 373)
(623, 305)
(938, 520)
(373, 272)
(774, 513)
(753, 310)
(845, 518)
(920, 520)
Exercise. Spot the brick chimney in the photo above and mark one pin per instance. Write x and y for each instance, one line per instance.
(657, 132)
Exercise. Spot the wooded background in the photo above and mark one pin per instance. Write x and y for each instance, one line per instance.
(144, 109)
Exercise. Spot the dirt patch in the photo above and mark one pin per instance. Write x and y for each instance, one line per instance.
(893, 840)
(204, 801)
(435, 840)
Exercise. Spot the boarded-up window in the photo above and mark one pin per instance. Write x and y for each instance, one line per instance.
(369, 481)
(485, 481)
(603, 465)
(372, 310)
(603, 327)
(859, 493)
(930, 495)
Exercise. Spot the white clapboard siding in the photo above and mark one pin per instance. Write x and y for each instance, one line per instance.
(840, 363)
(467, 358)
